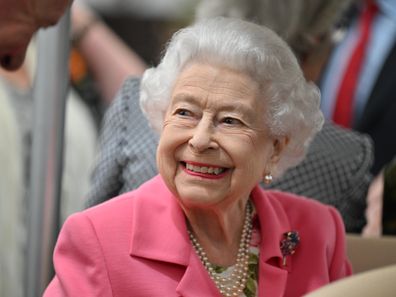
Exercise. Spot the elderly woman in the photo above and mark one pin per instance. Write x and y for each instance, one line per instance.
(336, 168)
(233, 108)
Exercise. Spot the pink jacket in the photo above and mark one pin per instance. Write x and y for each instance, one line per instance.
(137, 245)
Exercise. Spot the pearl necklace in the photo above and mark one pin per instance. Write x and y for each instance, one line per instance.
(233, 284)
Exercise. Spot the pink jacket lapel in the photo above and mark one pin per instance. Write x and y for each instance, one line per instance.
(158, 227)
(164, 238)
(196, 281)
(273, 223)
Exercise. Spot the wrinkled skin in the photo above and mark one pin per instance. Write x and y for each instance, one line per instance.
(19, 20)
(214, 118)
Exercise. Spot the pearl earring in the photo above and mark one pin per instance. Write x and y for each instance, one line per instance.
(268, 178)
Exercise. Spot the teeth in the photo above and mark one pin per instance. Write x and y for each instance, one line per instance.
(204, 169)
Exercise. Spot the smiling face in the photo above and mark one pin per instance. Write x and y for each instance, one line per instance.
(214, 147)
(19, 20)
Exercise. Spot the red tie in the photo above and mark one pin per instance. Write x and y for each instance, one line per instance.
(343, 112)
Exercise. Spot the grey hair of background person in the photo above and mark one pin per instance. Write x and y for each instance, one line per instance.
(298, 22)
(293, 103)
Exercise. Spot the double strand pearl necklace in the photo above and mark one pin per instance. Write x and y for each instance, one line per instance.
(233, 284)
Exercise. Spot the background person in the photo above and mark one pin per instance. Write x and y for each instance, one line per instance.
(358, 92)
(357, 85)
(16, 99)
(11, 197)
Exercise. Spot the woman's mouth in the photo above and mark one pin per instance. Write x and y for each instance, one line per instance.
(204, 170)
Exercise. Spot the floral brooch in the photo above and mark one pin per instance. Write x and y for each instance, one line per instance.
(288, 244)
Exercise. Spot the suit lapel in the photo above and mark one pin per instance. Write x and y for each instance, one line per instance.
(159, 230)
(164, 238)
(196, 281)
(273, 223)
(382, 94)
(272, 280)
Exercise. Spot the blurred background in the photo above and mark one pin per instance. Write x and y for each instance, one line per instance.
(131, 38)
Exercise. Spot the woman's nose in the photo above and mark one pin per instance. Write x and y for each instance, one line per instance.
(202, 136)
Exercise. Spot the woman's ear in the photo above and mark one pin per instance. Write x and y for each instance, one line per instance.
(279, 144)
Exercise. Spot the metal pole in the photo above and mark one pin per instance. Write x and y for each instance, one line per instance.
(49, 93)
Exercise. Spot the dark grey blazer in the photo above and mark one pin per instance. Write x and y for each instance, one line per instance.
(335, 171)
(379, 115)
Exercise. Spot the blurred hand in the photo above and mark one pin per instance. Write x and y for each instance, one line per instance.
(19, 20)
(373, 212)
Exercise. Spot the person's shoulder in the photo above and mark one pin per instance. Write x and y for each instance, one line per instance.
(130, 89)
(123, 205)
(303, 208)
(315, 221)
(114, 211)
(125, 101)
(293, 200)
(112, 221)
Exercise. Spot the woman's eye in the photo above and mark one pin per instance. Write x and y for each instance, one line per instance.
(183, 112)
(231, 121)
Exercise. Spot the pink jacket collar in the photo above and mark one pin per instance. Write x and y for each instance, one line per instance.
(164, 238)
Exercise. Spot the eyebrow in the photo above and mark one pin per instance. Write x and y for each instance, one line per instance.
(185, 97)
(234, 106)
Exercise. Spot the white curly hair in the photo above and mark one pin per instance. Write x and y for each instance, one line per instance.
(293, 103)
